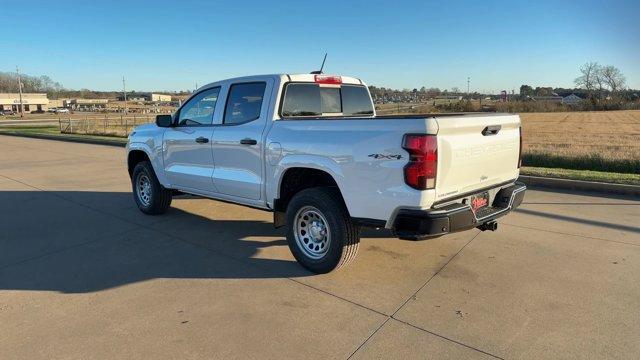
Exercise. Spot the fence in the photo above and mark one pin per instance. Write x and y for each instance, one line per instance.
(107, 125)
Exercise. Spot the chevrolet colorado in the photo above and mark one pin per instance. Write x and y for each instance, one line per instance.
(310, 149)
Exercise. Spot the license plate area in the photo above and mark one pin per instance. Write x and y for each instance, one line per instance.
(479, 201)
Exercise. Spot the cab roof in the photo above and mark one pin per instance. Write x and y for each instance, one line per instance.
(285, 78)
(311, 78)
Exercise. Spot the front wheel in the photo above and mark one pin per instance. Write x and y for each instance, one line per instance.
(320, 232)
(151, 197)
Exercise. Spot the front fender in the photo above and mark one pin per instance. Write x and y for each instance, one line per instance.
(154, 153)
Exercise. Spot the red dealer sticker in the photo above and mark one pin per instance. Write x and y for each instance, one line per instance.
(479, 201)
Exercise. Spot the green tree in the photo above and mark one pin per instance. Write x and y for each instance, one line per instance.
(526, 90)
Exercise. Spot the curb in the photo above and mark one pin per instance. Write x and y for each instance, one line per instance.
(68, 139)
(557, 183)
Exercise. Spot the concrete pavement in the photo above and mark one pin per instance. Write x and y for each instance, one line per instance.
(83, 274)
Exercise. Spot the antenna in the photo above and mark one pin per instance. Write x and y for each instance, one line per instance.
(321, 66)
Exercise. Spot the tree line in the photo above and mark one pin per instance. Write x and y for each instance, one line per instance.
(601, 81)
(595, 83)
(43, 83)
(55, 90)
(600, 84)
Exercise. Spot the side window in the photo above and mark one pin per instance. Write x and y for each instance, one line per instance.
(244, 102)
(199, 110)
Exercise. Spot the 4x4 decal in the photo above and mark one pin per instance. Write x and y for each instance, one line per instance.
(385, 156)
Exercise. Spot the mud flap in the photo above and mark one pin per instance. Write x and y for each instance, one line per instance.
(279, 219)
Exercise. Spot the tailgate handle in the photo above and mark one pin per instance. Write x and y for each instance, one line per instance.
(491, 130)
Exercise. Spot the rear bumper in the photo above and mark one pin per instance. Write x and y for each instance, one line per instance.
(419, 224)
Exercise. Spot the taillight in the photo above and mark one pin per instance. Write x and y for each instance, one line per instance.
(327, 79)
(420, 172)
(520, 150)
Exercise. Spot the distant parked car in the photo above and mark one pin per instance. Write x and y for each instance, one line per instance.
(8, 112)
(62, 111)
(52, 110)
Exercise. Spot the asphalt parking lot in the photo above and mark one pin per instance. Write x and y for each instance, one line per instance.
(85, 275)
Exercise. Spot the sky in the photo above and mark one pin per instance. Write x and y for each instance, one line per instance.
(174, 45)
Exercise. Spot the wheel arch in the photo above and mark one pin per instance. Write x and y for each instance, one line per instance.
(139, 151)
(295, 179)
(134, 157)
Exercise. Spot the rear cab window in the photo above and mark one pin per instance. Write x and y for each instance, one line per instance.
(313, 100)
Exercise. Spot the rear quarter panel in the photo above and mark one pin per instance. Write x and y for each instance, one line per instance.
(364, 156)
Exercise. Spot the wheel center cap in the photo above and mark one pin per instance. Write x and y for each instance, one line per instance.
(316, 231)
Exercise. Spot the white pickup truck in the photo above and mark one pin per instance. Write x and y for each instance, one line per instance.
(310, 149)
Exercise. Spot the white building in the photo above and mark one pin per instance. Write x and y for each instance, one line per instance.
(30, 102)
(160, 98)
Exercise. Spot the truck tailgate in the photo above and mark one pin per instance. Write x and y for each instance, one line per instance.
(471, 157)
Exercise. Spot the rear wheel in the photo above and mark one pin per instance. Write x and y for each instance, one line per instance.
(320, 232)
(151, 197)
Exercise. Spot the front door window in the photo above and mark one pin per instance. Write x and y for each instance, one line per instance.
(199, 110)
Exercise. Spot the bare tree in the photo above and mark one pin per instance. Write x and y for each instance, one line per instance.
(589, 78)
(599, 82)
(613, 78)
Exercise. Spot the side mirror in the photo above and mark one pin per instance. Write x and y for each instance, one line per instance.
(164, 120)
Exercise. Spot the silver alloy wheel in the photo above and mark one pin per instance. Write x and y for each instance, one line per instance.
(143, 189)
(312, 232)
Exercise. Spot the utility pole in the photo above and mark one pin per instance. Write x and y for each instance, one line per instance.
(468, 81)
(124, 94)
(20, 91)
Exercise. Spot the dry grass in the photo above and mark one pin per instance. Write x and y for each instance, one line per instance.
(594, 139)
(600, 141)
(107, 126)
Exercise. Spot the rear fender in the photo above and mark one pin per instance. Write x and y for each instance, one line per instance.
(305, 161)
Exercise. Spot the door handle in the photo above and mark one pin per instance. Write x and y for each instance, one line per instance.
(202, 140)
(248, 142)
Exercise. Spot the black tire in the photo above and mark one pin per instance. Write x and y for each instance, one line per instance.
(344, 235)
(159, 198)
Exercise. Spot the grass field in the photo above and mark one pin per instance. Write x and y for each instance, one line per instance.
(604, 141)
(597, 141)
(54, 132)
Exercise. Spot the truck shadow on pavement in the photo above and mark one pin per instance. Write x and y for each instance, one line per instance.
(77, 242)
